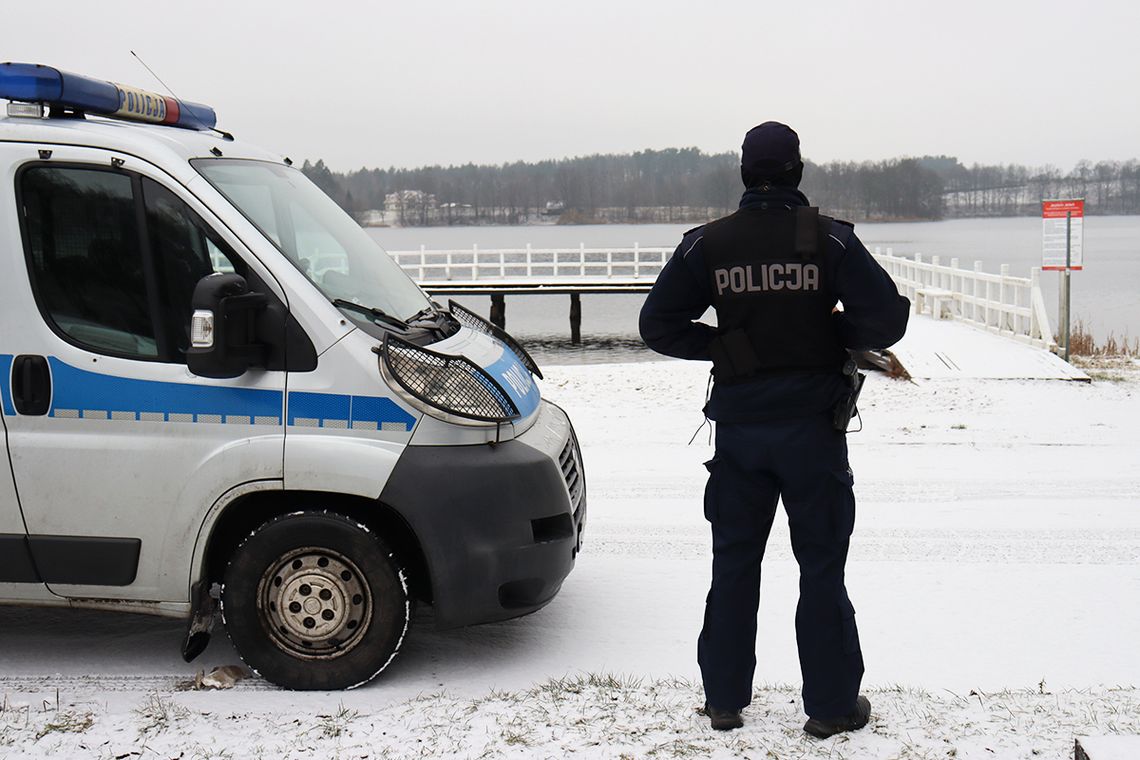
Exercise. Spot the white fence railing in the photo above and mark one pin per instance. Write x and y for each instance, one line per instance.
(1013, 306)
(501, 263)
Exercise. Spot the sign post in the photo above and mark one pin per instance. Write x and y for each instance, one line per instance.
(1063, 250)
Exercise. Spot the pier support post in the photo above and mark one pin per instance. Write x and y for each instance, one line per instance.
(575, 318)
(499, 310)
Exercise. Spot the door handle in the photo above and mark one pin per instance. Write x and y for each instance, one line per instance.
(31, 385)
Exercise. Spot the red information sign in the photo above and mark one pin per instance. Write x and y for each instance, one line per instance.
(1062, 226)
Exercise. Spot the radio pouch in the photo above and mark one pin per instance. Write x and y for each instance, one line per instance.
(733, 356)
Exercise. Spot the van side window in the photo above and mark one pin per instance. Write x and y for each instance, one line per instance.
(86, 260)
(185, 250)
(115, 257)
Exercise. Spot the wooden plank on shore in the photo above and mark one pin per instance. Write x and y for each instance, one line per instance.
(946, 349)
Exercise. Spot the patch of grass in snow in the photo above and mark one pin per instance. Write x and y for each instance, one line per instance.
(516, 738)
(156, 714)
(557, 687)
(500, 695)
(66, 722)
(13, 718)
(679, 747)
(19, 721)
(1107, 377)
(332, 726)
(1110, 368)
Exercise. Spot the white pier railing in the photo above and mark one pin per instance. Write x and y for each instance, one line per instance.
(1002, 303)
(1012, 306)
(475, 264)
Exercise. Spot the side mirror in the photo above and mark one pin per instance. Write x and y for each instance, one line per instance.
(223, 327)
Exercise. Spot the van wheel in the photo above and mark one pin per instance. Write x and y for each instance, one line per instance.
(314, 600)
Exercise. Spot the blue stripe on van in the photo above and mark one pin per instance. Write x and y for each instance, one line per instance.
(382, 411)
(5, 384)
(78, 394)
(319, 406)
(75, 389)
(328, 410)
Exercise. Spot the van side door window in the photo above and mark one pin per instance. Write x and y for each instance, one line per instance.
(85, 258)
(114, 259)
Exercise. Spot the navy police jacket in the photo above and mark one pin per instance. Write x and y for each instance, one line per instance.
(874, 316)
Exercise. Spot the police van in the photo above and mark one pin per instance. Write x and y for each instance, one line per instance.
(221, 400)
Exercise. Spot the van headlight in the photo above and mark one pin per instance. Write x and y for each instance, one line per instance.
(451, 388)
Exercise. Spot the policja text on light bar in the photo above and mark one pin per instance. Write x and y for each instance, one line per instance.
(34, 83)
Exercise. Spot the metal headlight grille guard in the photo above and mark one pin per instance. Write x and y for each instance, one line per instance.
(453, 385)
(470, 319)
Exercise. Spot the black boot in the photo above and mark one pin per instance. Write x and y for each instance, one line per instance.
(723, 720)
(851, 722)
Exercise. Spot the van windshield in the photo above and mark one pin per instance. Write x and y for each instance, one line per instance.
(316, 235)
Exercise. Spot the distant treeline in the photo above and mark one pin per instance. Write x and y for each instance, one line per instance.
(687, 185)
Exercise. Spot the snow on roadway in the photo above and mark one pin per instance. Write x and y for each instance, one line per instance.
(995, 568)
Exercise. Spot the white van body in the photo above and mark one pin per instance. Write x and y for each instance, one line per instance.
(134, 482)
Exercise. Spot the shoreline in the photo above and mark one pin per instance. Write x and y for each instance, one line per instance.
(600, 222)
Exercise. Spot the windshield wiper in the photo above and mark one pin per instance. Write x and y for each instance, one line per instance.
(428, 313)
(372, 311)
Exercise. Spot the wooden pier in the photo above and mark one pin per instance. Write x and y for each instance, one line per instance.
(531, 271)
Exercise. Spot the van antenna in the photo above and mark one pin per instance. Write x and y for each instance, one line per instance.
(225, 135)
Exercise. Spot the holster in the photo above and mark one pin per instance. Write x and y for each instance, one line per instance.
(846, 407)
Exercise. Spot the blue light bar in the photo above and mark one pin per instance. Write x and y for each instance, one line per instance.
(33, 83)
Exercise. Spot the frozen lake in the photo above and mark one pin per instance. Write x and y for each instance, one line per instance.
(1106, 294)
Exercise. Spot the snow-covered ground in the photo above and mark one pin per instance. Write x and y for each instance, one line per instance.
(995, 569)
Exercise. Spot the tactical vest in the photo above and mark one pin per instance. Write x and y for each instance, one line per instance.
(773, 293)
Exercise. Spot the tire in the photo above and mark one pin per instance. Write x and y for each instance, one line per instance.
(313, 600)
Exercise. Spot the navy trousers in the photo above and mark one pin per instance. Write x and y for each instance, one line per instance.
(804, 462)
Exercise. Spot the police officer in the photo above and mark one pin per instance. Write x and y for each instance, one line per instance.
(774, 271)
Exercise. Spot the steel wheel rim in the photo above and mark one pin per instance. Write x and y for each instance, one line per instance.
(315, 603)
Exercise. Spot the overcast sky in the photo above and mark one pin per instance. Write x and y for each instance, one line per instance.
(410, 83)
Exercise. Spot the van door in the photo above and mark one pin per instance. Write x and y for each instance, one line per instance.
(124, 450)
(18, 578)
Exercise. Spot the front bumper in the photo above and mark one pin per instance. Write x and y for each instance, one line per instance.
(500, 525)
